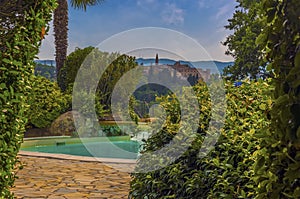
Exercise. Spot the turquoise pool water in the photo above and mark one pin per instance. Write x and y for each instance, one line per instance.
(114, 149)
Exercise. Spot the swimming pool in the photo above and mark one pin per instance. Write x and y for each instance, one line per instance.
(126, 149)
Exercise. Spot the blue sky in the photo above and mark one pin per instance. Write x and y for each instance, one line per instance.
(202, 20)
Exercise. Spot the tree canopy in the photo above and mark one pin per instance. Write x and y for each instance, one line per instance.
(94, 62)
(246, 24)
(66, 76)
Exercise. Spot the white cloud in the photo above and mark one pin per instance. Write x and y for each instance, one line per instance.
(159, 13)
(223, 11)
(172, 15)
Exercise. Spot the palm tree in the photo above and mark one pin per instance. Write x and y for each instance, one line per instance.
(61, 27)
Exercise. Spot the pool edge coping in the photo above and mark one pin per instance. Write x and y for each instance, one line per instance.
(76, 158)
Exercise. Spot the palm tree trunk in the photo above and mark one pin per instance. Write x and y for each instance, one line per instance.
(61, 33)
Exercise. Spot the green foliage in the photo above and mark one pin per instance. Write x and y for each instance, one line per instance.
(115, 70)
(111, 67)
(21, 24)
(246, 25)
(86, 101)
(146, 97)
(82, 4)
(133, 115)
(278, 162)
(112, 130)
(47, 102)
(92, 62)
(67, 74)
(227, 170)
(103, 130)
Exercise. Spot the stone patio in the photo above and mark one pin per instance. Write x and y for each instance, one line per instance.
(61, 176)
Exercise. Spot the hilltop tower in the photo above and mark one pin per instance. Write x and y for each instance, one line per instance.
(156, 59)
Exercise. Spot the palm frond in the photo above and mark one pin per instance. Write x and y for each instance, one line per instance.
(82, 4)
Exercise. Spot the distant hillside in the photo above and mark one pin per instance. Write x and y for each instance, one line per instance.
(45, 68)
(46, 62)
(214, 66)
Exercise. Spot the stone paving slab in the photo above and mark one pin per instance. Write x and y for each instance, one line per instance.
(46, 177)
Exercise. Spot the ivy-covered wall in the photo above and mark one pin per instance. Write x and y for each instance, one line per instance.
(21, 27)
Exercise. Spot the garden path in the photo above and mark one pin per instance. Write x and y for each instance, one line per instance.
(50, 177)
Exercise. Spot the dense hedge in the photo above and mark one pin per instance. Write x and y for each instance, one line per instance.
(21, 25)
(278, 165)
(227, 171)
(47, 102)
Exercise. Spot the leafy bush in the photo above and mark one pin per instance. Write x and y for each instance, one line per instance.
(21, 24)
(84, 102)
(110, 130)
(47, 102)
(278, 162)
(226, 171)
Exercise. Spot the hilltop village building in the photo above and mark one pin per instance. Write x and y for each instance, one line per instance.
(184, 71)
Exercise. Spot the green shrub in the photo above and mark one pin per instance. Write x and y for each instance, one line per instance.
(227, 169)
(21, 24)
(111, 130)
(47, 102)
(277, 170)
